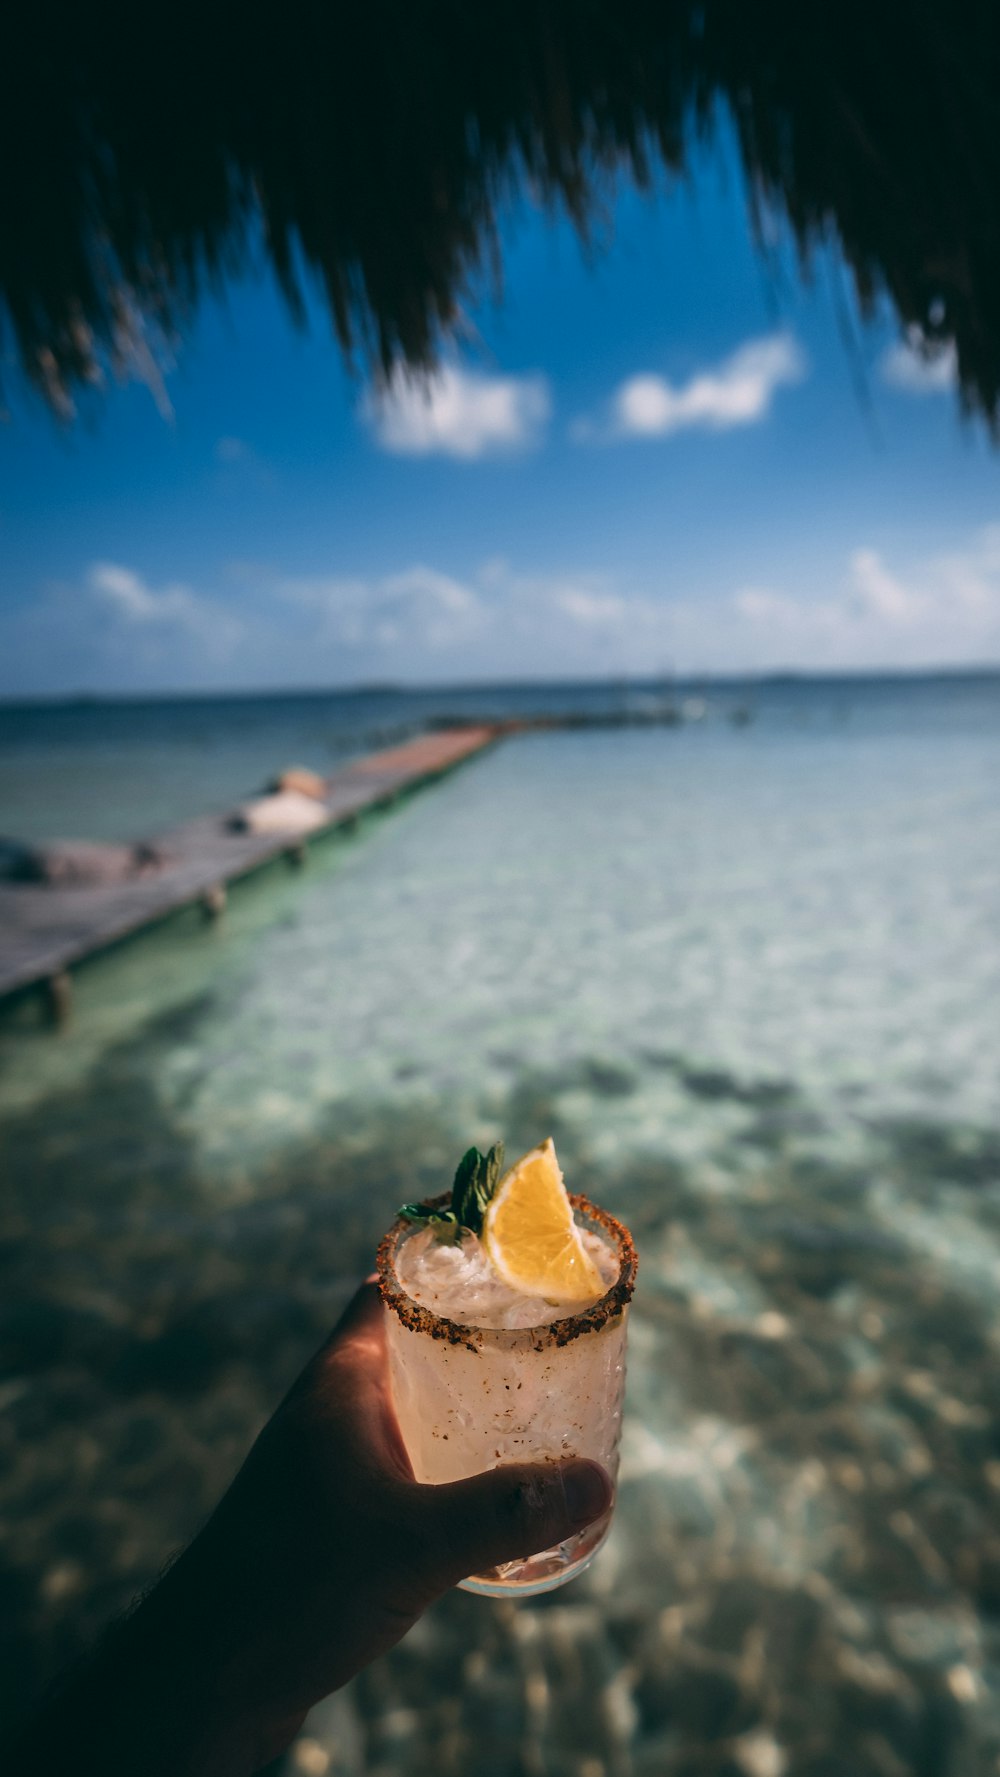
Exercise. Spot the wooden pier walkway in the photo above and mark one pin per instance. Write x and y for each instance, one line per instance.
(46, 930)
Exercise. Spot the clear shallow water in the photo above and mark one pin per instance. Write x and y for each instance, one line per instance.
(121, 770)
(124, 770)
(749, 981)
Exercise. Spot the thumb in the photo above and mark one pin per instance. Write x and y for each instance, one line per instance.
(511, 1511)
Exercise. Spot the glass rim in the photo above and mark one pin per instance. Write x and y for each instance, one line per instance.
(417, 1318)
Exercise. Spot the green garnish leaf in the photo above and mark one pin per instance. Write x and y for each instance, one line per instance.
(475, 1184)
(443, 1220)
(418, 1212)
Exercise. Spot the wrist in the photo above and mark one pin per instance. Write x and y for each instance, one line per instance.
(189, 1649)
(166, 1691)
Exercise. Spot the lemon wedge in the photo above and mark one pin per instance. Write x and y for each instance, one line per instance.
(531, 1238)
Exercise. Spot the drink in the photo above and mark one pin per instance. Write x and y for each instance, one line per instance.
(485, 1373)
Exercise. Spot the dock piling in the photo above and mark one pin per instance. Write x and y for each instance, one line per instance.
(59, 998)
(213, 901)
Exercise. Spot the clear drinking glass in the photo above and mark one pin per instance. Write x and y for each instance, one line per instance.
(469, 1398)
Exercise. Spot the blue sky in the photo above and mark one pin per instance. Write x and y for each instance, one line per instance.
(653, 456)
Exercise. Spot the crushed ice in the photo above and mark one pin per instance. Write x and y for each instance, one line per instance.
(457, 1282)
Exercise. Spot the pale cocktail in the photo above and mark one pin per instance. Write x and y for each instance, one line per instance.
(484, 1372)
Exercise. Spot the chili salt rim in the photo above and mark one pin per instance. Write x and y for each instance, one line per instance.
(419, 1319)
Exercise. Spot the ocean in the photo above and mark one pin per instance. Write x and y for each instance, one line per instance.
(746, 972)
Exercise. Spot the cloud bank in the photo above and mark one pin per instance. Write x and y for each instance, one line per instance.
(422, 625)
(416, 614)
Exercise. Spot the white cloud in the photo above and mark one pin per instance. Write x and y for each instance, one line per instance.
(870, 613)
(592, 609)
(943, 612)
(879, 594)
(459, 413)
(172, 611)
(418, 611)
(114, 631)
(914, 370)
(737, 392)
(128, 595)
(425, 624)
(159, 624)
(420, 624)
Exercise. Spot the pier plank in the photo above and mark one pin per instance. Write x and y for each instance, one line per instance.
(45, 931)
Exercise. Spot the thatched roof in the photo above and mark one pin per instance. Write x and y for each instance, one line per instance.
(144, 150)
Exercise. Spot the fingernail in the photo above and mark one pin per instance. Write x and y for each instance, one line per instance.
(588, 1492)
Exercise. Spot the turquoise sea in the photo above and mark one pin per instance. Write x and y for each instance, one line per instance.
(748, 977)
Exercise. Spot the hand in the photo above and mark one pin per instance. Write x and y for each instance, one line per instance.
(321, 1556)
(334, 1550)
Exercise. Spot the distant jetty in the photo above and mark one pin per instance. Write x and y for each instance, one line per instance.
(64, 903)
(669, 716)
(47, 928)
(651, 714)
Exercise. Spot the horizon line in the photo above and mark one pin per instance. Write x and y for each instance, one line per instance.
(621, 682)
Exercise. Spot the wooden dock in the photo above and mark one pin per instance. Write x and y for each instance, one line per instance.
(45, 931)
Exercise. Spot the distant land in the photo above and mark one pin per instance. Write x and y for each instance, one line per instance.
(619, 684)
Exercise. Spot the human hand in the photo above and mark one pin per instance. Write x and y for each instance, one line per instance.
(320, 1557)
(329, 1548)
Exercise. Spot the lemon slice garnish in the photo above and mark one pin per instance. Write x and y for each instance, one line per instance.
(530, 1236)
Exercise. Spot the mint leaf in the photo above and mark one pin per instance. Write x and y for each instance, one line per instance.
(475, 1185)
(464, 1183)
(476, 1179)
(418, 1212)
(441, 1220)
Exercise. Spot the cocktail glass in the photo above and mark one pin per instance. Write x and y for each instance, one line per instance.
(469, 1398)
